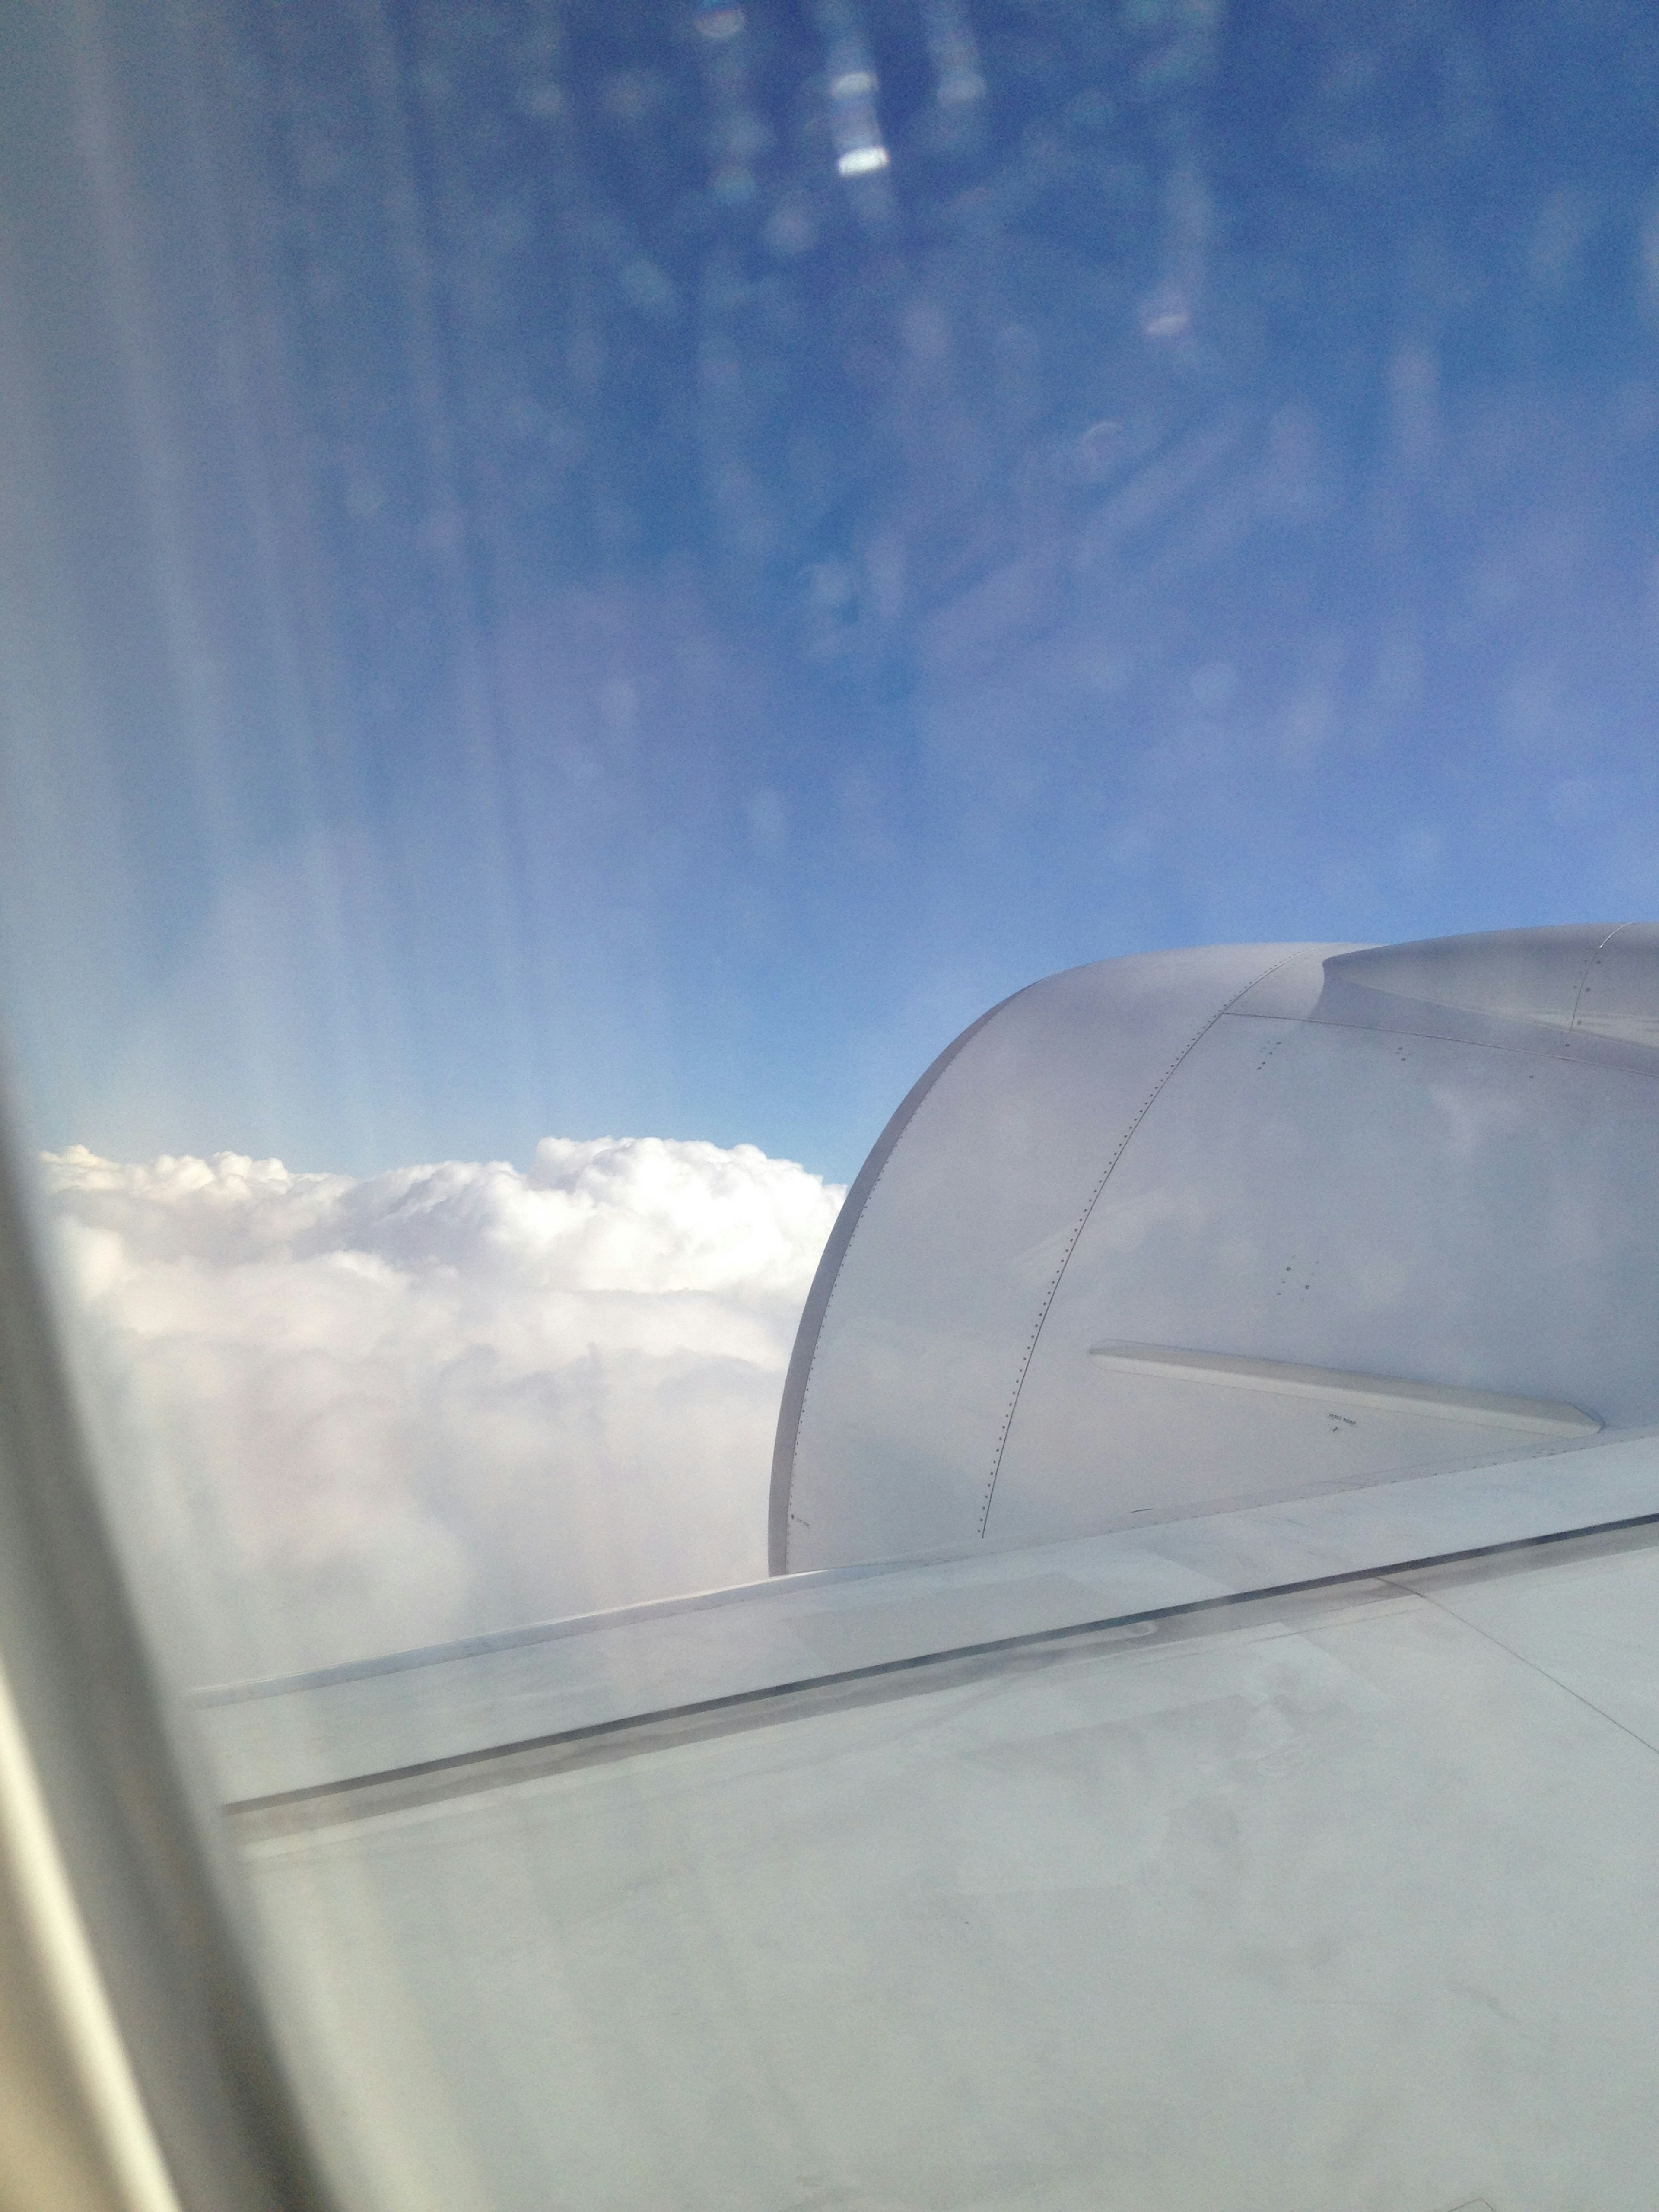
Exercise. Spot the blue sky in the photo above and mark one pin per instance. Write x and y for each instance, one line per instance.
(542, 605)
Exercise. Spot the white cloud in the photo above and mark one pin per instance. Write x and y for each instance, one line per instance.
(443, 1400)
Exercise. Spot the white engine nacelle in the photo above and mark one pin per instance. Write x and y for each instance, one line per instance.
(1167, 1235)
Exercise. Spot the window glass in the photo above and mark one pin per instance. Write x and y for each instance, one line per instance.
(586, 584)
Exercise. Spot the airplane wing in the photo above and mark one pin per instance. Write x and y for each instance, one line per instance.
(1204, 1750)
(1298, 1855)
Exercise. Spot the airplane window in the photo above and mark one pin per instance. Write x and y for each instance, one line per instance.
(824, 828)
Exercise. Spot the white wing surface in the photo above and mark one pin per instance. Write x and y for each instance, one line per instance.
(1251, 1860)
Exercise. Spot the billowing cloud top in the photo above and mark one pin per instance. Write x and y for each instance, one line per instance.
(356, 1416)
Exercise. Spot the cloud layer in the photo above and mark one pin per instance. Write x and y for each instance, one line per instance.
(442, 1399)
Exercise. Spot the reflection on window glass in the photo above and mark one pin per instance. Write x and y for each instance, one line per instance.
(587, 584)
